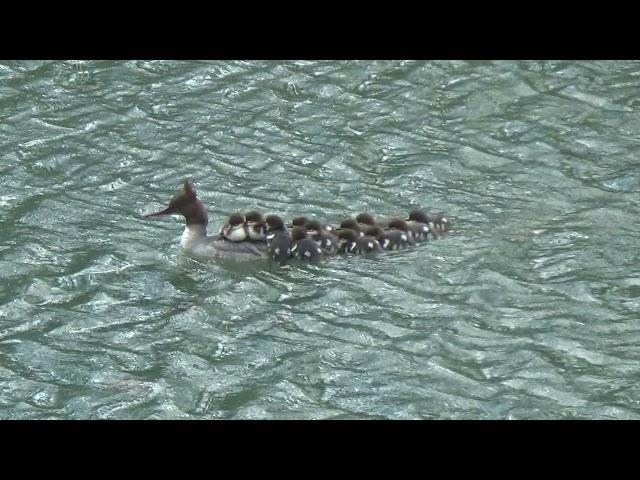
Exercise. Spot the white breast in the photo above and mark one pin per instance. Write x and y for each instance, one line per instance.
(192, 236)
(236, 234)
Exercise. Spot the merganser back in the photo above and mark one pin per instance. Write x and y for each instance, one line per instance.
(195, 239)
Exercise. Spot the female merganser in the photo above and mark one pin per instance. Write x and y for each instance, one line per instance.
(195, 239)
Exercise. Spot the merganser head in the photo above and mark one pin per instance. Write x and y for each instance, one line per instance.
(365, 218)
(274, 223)
(254, 218)
(298, 233)
(399, 224)
(375, 232)
(235, 219)
(186, 204)
(299, 222)
(418, 216)
(314, 227)
(350, 224)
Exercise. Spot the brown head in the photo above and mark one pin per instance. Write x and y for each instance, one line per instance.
(254, 217)
(299, 221)
(347, 234)
(314, 227)
(298, 233)
(351, 224)
(274, 223)
(418, 216)
(375, 232)
(235, 219)
(365, 218)
(399, 224)
(186, 204)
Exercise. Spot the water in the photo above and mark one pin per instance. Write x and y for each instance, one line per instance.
(528, 310)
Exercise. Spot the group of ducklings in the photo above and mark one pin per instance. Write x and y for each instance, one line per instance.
(311, 240)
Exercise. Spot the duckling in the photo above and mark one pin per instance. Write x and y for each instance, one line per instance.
(303, 247)
(347, 241)
(325, 239)
(399, 224)
(278, 239)
(437, 222)
(299, 222)
(256, 228)
(389, 239)
(420, 230)
(365, 220)
(369, 244)
(351, 224)
(234, 229)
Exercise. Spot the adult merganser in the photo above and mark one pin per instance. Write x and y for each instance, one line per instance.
(194, 238)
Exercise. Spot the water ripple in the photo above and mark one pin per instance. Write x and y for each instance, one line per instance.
(528, 310)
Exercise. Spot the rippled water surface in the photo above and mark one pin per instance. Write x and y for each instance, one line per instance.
(529, 309)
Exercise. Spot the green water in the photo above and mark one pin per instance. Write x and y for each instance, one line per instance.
(530, 309)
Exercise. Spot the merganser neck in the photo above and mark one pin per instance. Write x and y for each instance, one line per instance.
(193, 235)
